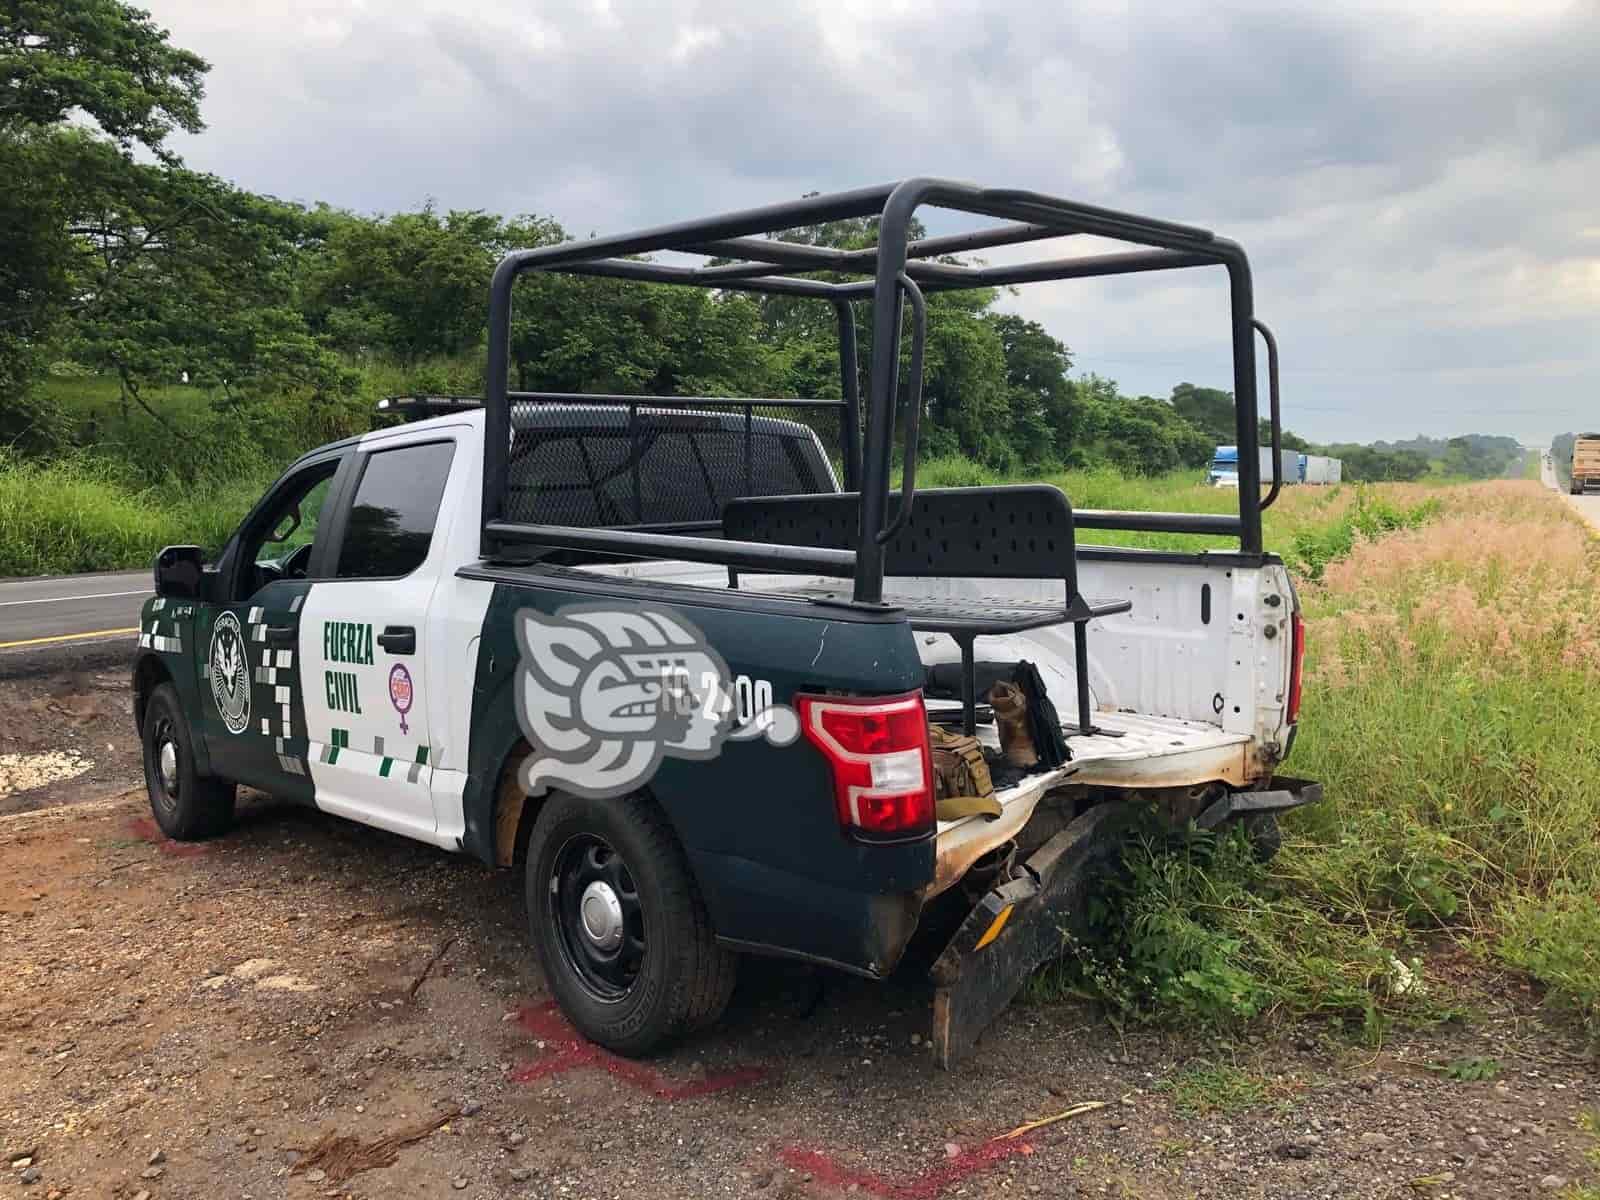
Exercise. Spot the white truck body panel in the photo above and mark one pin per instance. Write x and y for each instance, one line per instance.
(418, 799)
(1289, 461)
(1322, 469)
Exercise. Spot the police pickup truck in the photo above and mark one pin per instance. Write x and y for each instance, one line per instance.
(706, 678)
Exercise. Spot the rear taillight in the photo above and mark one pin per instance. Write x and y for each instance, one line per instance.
(877, 750)
(1297, 625)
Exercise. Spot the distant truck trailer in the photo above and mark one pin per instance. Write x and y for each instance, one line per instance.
(1319, 468)
(1224, 468)
(1585, 463)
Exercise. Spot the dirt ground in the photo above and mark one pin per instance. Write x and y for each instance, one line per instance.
(205, 1021)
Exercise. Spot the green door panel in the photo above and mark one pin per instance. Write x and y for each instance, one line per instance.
(251, 703)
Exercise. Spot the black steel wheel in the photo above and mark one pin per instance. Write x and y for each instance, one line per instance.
(166, 783)
(619, 924)
(185, 804)
(599, 922)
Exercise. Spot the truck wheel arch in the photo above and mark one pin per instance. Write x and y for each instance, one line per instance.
(514, 809)
(149, 673)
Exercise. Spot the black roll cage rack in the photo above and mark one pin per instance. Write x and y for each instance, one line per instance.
(898, 270)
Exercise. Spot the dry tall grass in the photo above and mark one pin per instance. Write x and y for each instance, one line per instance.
(1452, 704)
(1452, 707)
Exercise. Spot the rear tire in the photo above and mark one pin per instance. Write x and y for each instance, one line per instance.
(186, 805)
(619, 926)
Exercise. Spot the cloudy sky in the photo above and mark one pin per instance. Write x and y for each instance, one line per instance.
(1416, 182)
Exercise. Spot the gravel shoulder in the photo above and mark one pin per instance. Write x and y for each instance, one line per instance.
(189, 1021)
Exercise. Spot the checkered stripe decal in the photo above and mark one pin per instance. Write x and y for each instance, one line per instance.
(151, 637)
(274, 681)
(388, 762)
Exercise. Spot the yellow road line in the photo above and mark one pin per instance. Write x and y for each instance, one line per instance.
(68, 637)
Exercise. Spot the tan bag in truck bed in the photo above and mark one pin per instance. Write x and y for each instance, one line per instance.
(961, 783)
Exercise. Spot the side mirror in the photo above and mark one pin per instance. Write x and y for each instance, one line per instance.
(178, 572)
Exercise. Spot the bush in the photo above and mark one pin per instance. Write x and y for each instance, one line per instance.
(1193, 930)
(75, 516)
(1371, 517)
(1556, 939)
(30, 424)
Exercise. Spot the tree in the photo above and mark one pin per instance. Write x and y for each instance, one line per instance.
(1046, 420)
(1207, 409)
(174, 272)
(102, 58)
(58, 58)
(411, 285)
(1290, 439)
(1368, 463)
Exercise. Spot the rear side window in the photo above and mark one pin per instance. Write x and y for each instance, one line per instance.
(396, 507)
(683, 473)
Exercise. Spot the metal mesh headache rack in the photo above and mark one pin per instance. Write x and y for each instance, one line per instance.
(623, 462)
(543, 487)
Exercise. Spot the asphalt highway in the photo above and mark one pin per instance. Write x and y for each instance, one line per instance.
(69, 610)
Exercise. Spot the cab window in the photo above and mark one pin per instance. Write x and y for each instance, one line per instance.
(395, 509)
(278, 544)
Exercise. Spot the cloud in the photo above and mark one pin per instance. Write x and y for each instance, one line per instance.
(1414, 181)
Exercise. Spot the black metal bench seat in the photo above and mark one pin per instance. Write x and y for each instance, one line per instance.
(1022, 531)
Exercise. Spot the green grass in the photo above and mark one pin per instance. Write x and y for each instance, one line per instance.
(1452, 691)
(81, 397)
(1298, 511)
(1588, 1123)
(1206, 1088)
(75, 516)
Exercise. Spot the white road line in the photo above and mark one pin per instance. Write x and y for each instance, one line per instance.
(90, 596)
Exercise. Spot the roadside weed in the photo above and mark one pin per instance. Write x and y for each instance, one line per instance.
(1206, 1088)
(1473, 1069)
(1452, 691)
(1556, 938)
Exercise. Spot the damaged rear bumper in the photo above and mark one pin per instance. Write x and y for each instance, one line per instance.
(1281, 795)
(1023, 922)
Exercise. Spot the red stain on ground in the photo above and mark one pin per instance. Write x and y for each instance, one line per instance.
(925, 1186)
(567, 1050)
(146, 830)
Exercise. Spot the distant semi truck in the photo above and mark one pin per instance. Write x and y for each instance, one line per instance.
(1319, 468)
(1585, 462)
(1224, 468)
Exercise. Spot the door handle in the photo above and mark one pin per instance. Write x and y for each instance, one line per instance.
(399, 639)
(280, 633)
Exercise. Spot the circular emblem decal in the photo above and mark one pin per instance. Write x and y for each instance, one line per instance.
(230, 673)
(400, 693)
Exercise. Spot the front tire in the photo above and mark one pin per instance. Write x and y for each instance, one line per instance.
(186, 805)
(619, 926)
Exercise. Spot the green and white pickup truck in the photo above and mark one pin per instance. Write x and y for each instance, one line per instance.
(691, 665)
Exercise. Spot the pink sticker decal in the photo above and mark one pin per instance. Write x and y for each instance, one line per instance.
(400, 692)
